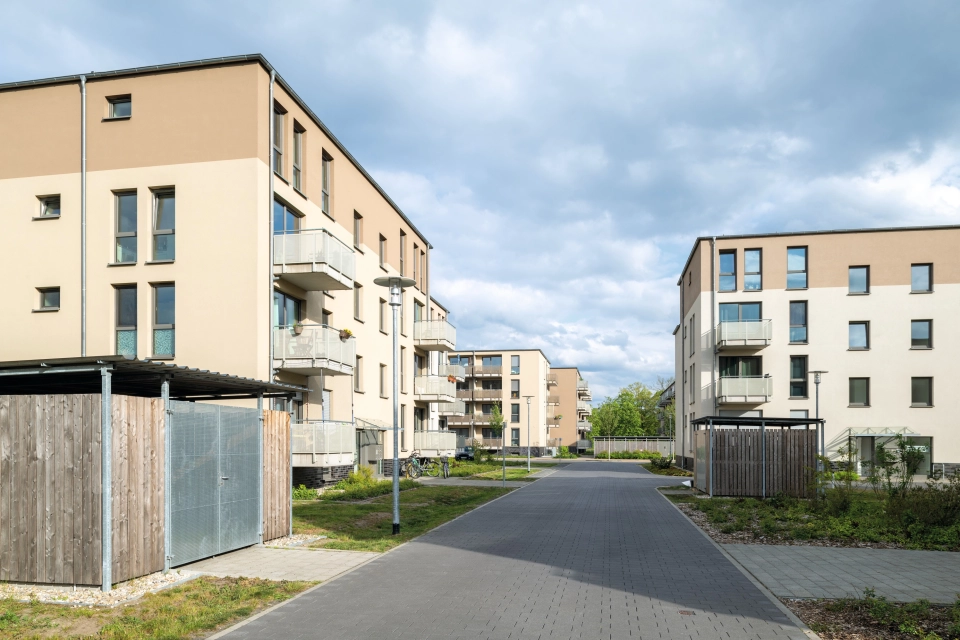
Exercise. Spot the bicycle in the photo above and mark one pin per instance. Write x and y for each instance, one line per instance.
(411, 466)
(430, 467)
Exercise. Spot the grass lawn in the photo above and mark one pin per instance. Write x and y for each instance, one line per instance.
(672, 471)
(197, 607)
(466, 468)
(367, 525)
(513, 473)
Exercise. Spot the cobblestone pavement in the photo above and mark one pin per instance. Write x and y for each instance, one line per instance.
(281, 564)
(826, 572)
(590, 551)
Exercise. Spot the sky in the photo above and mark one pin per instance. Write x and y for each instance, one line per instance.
(562, 157)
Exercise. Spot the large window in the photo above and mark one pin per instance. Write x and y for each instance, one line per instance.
(164, 225)
(921, 278)
(325, 184)
(728, 271)
(126, 229)
(297, 156)
(740, 366)
(859, 280)
(126, 302)
(739, 311)
(403, 253)
(514, 388)
(287, 310)
(921, 334)
(285, 219)
(514, 365)
(859, 335)
(798, 376)
(796, 267)
(859, 392)
(491, 361)
(164, 315)
(921, 392)
(515, 412)
(278, 118)
(752, 270)
(798, 321)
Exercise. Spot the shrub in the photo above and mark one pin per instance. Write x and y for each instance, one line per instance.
(630, 455)
(371, 490)
(563, 453)
(362, 477)
(661, 463)
(302, 493)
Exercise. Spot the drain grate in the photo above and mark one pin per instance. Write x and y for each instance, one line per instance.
(684, 612)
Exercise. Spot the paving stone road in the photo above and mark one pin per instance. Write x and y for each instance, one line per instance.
(590, 551)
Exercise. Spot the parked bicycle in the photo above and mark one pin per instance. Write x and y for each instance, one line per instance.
(411, 467)
(430, 467)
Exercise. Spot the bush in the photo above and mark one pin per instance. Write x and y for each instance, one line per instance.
(362, 477)
(302, 493)
(364, 491)
(563, 453)
(661, 463)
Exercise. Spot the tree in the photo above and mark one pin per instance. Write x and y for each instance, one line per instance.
(496, 422)
(632, 412)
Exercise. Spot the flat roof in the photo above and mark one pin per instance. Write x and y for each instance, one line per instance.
(209, 62)
(498, 351)
(131, 377)
(724, 421)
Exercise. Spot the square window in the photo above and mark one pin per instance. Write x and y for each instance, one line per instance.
(728, 271)
(921, 334)
(921, 278)
(120, 107)
(921, 392)
(860, 392)
(859, 334)
(859, 280)
(50, 298)
(50, 207)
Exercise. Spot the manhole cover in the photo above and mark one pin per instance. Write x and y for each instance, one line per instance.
(687, 613)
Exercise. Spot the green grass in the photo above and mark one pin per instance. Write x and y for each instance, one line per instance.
(672, 471)
(513, 473)
(372, 490)
(368, 526)
(197, 607)
(466, 468)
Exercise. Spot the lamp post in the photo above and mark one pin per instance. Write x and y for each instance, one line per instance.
(528, 432)
(395, 284)
(816, 383)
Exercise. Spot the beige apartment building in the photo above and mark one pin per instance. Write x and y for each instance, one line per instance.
(574, 406)
(201, 213)
(760, 314)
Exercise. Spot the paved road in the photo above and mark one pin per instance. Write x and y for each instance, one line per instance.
(589, 552)
(282, 564)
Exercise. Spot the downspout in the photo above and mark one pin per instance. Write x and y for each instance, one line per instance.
(713, 320)
(83, 216)
(273, 79)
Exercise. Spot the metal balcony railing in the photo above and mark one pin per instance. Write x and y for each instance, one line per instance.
(553, 421)
(583, 385)
(434, 389)
(455, 408)
(491, 443)
(435, 443)
(485, 371)
(584, 425)
(745, 390)
(487, 394)
(435, 335)
(458, 371)
(744, 333)
(316, 349)
(323, 443)
(460, 420)
(314, 260)
(584, 407)
(465, 394)
(552, 379)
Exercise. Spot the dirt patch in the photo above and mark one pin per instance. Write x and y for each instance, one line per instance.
(81, 627)
(371, 520)
(850, 620)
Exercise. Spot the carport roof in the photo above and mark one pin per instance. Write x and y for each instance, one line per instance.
(724, 421)
(131, 377)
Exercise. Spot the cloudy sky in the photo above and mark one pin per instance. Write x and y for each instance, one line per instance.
(562, 157)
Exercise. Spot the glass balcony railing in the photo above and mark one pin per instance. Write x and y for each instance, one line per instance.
(744, 333)
(745, 390)
(314, 349)
(314, 260)
(434, 335)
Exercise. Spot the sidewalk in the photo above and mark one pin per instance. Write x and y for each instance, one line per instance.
(282, 564)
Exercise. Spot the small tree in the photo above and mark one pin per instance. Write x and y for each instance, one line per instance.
(496, 425)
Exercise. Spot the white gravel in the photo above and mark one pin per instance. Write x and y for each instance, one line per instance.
(93, 596)
(296, 540)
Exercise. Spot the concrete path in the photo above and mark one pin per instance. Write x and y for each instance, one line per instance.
(282, 564)
(826, 572)
(590, 551)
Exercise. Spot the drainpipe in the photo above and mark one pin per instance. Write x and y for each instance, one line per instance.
(83, 216)
(273, 79)
(713, 319)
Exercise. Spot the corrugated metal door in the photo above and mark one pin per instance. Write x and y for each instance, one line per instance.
(215, 484)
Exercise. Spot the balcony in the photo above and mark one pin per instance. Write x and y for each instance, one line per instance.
(553, 421)
(313, 260)
(584, 425)
(316, 350)
(490, 443)
(583, 390)
(434, 444)
(584, 407)
(434, 389)
(458, 371)
(323, 443)
(434, 335)
(455, 408)
(744, 390)
(750, 334)
(460, 420)
(485, 371)
(552, 379)
(487, 394)
(465, 394)
(553, 399)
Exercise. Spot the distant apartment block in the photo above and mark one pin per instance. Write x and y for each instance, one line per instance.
(573, 395)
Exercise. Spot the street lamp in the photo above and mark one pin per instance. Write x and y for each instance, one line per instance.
(816, 382)
(528, 432)
(395, 284)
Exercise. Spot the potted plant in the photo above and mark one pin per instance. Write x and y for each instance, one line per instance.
(297, 328)
(451, 378)
(558, 416)
(345, 334)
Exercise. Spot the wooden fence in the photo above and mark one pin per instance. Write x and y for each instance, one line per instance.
(748, 462)
(276, 474)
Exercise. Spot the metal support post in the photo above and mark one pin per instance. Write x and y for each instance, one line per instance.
(395, 303)
(711, 458)
(763, 459)
(106, 481)
(260, 469)
(528, 432)
(167, 477)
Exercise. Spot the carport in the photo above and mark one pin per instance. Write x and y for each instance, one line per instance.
(113, 468)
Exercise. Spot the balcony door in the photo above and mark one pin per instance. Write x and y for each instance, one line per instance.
(740, 312)
(741, 366)
(285, 220)
(286, 310)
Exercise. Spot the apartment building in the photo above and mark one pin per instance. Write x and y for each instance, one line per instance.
(761, 314)
(201, 213)
(573, 394)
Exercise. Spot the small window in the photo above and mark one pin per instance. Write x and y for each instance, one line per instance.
(800, 413)
(728, 271)
(693, 384)
(416, 250)
(325, 184)
(423, 268)
(798, 376)
(383, 252)
(403, 309)
(403, 253)
(278, 118)
(297, 156)
(796, 267)
(358, 375)
(693, 333)
(50, 207)
(383, 381)
(403, 369)
(921, 278)
(859, 336)
(515, 433)
(752, 274)
(859, 280)
(357, 229)
(921, 334)
(798, 321)
(357, 301)
(514, 388)
(921, 392)
(514, 365)
(49, 298)
(126, 228)
(126, 302)
(119, 107)
(164, 313)
(859, 392)
(383, 315)
(164, 225)
(515, 417)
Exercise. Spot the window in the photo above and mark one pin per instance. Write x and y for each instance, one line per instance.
(921, 334)
(416, 250)
(126, 301)
(119, 107)
(285, 219)
(126, 230)
(859, 280)
(383, 380)
(798, 376)
(514, 365)
(358, 301)
(728, 271)
(921, 278)
(740, 367)
(358, 375)
(515, 434)
(752, 269)
(800, 413)
(403, 426)
(403, 252)
(286, 310)
(515, 413)
(403, 310)
(693, 332)
(383, 315)
(514, 388)
(921, 392)
(496, 384)
(325, 184)
(163, 320)
(486, 409)
(796, 267)
(383, 252)
(357, 229)
(278, 115)
(50, 207)
(49, 298)
(403, 369)
(423, 268)
(859, 335)
(325, 318)
(859, 392)
(297, 156)
(740, 312)
(419, 364)
(491, 361)
(417, 311)
(164, 225)
(798, 321)
(693, 384)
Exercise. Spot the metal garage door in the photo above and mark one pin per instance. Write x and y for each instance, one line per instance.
(215, 480)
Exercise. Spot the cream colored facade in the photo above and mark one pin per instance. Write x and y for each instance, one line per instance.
(867, 308)
(203, 132)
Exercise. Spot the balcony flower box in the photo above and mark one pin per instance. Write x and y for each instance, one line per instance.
(345, 334)
(297, 329)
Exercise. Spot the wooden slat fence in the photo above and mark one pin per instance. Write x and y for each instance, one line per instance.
(277, 491)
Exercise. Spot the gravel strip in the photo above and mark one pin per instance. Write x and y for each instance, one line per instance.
(93, 596)
(296, 540)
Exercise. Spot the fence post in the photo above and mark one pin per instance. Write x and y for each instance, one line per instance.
(106, 480)
(763, 459)
(167, 477)
(711, 458)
